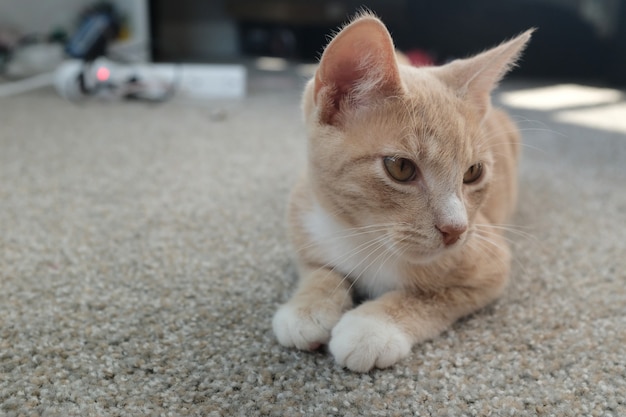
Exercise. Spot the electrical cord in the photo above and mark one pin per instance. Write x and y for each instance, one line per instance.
(25, 85)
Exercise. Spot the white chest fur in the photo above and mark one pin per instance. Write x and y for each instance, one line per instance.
(364, 255)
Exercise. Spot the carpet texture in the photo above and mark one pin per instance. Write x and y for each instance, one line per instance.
(143, 253)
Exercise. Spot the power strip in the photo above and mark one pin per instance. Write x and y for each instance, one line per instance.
(203, 81)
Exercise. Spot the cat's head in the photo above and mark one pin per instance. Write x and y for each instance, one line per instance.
(398, 146)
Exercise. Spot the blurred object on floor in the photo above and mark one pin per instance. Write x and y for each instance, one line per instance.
(108, 80)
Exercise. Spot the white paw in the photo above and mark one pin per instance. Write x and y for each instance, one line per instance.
(361, 342)
(303, 327)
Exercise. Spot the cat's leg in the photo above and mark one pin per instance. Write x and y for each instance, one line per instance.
(306, 320)
(380, 332)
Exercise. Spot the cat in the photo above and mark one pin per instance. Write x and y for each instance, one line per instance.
(410, 174)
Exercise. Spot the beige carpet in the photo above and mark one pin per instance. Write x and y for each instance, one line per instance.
(143, 253)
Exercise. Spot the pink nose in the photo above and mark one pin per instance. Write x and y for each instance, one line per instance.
(451, 232)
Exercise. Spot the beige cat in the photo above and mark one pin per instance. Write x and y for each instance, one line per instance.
(410, 175)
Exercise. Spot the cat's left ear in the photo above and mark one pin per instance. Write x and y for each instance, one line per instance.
(358, 66)
(474, 78)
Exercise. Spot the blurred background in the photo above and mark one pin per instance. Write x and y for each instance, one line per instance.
(577, 40)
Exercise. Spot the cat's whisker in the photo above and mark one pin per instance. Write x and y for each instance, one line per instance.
(500, 154)
(380, 242)
(354, 252)
(519, 119)
(346, 256)
(512, 242)
(484, 238)
(486, 233)
(491, 246)
(350, 233)
(528, 129)
(522, 144)
(532, 147)
(520, 130)
(372, 262)
(542, 130)
(511, 229)
(391, 252)
(507, 225)
(395, 251)
(507, 228)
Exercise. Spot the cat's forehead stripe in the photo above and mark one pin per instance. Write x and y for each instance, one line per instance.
(354, 162)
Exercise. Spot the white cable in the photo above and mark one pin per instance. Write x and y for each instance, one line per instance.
(29, 84)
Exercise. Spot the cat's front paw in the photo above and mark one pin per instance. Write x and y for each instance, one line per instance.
(361, 342)
(303, 326)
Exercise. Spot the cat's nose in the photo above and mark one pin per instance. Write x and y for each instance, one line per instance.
(451, 232)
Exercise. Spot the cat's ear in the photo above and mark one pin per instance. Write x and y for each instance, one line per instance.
(474, 78)
(357, 66)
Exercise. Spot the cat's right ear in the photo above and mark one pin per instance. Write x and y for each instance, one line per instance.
(358, 66)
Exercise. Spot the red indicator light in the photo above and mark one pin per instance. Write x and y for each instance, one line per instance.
(103, 74)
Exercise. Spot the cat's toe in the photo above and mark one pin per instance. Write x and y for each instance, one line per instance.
(302, 328)
(361, 343)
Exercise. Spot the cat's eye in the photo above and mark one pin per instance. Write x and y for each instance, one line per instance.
(400, 169)
(473, 173)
